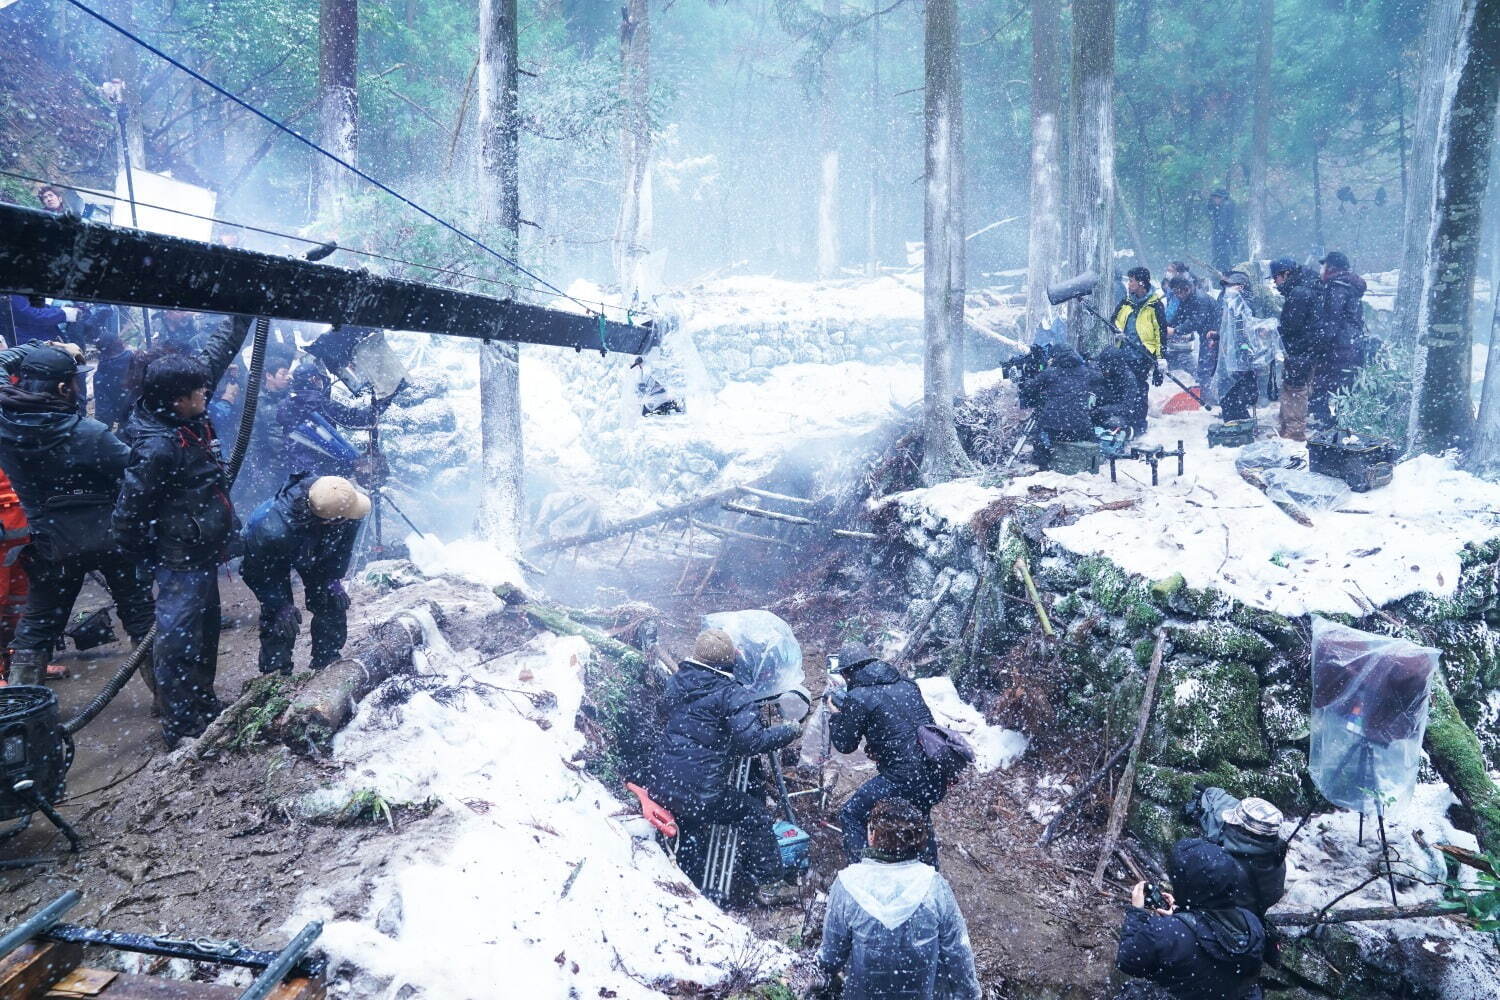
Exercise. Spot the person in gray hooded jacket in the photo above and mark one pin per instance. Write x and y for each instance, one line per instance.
(893, 930)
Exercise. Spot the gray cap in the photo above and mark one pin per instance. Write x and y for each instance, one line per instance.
(1237, 278)
(854, 654)
(1255, 816)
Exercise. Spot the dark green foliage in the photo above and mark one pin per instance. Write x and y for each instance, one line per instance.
(1378, 402)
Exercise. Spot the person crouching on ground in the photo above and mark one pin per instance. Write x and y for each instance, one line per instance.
(174, 514)
(712, 724)
(884, 709)
(309, 526)
(1250, 831)
(893, 930)
(1203, 945)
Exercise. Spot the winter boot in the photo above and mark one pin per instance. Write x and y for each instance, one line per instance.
(27, 666)
(1294, 413)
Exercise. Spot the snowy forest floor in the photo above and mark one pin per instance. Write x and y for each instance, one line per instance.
(205, 848)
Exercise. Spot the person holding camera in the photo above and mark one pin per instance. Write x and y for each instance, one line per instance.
(1058, 396)
(885, 710)
(712, 724)
(893, 929)
(1198, 942)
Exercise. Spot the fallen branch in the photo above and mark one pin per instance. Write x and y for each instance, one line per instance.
(635, 523)
(1036, 598)
(864, 536)
(722, 532)
(916, 633)
(1077, 798)
(1466, 857)
(558, 621)
(768, 495)
(1426, 911)
(1290, 510)
(1127, 782)
(771, 515)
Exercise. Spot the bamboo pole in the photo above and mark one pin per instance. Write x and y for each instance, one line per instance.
(1127, 782)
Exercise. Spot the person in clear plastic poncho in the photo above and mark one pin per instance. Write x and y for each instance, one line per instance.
(893, 929)
(1244, 348)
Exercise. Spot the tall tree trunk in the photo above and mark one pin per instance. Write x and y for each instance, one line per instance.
(957, 225)
(125, 66)
(1091, 175)
(1317, 193)
(828, 160)
(502, 463)
(942, 454)
(1260, 128)
(1438, 42)
(633, 229)
(1484, 458)
(1466, 128)
(338, 100)
(875, 150)
(1044, 247)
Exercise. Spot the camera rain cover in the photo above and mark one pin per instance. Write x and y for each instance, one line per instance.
(1370, 696)
(770, 658)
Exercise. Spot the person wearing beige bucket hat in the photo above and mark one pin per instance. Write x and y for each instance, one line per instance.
(1250, 830)
(309, 527)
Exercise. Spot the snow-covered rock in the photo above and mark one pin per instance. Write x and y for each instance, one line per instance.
(526, 879)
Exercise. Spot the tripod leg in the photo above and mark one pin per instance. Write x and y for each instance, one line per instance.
(45, 807)
(1385, 853)
(1361, 840)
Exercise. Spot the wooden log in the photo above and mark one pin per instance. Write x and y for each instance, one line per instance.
(863, 536)
(1425, 911)
(557, 620)
(328, 701)
(1127, 782)
(635, 523)
(770, 515)
(34, 967)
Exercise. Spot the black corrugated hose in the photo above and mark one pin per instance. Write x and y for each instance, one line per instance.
(236, 459)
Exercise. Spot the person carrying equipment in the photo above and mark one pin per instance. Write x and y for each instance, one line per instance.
(1059, 399)
(309, 527)
(713, 723)
(885, 710)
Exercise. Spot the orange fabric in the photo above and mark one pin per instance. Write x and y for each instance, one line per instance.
(1183, 402)
(14, 586)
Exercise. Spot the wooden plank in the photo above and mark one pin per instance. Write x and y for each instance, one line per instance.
(63, 257)
(33, 968)
(300, 989)
(82, 983)
(133, 987)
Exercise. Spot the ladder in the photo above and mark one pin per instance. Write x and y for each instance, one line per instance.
(724, 846)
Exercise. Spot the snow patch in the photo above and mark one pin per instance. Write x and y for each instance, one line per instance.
(468, 559)
(994, 746)
(523, 881)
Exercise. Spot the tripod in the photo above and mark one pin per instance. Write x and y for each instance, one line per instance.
(1362, 756)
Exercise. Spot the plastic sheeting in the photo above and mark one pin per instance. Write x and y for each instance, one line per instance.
(770, 658)
(1308, 490)
(1369, 713)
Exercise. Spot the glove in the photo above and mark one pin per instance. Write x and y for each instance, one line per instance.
(838, 696)
(1156, 376)
(338, 595)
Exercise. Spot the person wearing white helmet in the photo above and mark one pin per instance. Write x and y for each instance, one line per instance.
(309, 527)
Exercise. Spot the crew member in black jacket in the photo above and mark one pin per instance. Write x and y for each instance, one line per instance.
(1059, 400)
(884, 709)
(66, 469)
(175, 514)
(713, 723)
(1203, 945)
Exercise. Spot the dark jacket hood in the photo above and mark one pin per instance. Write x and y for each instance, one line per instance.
(34, 421)
(1354, 281)
(1067, 358)
(1204, 876)
(291, 500)
(874, 673)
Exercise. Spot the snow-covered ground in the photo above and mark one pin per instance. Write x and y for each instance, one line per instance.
(1327, 860)
(1221, 533)
(529, 881)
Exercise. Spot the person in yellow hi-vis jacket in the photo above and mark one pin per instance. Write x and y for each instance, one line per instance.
(1140, 322)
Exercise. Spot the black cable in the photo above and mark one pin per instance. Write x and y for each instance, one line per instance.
(317, 148)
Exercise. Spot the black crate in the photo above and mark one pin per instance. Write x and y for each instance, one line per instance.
(1364, 463)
